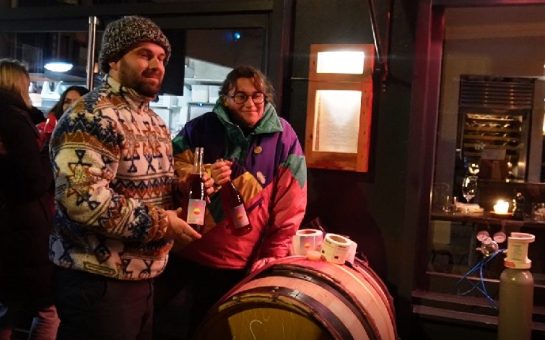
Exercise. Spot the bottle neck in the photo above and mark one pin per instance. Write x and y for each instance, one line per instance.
(197, 161)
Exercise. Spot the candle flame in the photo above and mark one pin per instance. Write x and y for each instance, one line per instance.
(501, 207)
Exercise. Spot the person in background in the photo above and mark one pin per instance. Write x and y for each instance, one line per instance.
(244, 141)
(67, 98)
(114, 176)
(26, 198)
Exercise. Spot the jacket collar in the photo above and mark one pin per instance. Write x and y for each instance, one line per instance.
(11, 99)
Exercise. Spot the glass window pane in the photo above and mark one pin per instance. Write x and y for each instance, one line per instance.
(207, 65)
(345, 62)
(337, 121)
(36, 49)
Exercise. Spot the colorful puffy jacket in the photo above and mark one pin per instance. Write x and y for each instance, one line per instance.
(269, 171)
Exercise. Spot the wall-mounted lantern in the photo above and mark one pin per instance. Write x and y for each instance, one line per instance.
(340, 97)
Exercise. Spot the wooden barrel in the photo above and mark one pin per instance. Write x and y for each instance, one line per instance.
(296, 298)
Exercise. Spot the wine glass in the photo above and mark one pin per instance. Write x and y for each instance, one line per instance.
(469, 187)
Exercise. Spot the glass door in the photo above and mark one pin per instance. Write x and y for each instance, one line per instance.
(40, 51)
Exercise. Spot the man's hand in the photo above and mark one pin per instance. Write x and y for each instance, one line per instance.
(178, 229)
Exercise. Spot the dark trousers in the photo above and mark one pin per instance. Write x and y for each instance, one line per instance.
(185, 292)
(93, 307)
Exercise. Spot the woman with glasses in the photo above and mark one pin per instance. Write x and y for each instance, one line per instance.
(246, 142)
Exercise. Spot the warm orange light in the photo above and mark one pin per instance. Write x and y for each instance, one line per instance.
(501, 207)
(339, 106)
(337, 121)
(344, 62)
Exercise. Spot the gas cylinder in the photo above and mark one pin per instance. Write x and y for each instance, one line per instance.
(516, 290)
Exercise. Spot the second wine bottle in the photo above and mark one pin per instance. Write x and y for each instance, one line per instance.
(233, 205)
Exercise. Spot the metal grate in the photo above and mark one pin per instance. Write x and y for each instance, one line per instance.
(496, 92)
(494, 114)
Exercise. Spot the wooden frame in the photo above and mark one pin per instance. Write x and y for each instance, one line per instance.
(353, 160)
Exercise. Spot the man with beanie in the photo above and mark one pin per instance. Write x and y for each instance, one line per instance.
(112, 162)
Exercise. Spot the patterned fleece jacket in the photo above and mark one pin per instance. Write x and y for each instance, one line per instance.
(269, 171)
(112, 162)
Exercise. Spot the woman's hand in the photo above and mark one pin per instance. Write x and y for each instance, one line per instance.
(221, 171)
(209, 183)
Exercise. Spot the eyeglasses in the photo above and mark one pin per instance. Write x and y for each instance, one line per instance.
(241, 98)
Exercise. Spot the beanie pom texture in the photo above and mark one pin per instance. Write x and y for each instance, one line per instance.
(122, 35)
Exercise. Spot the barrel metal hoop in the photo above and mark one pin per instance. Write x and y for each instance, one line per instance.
(364, 269)
(318, 311)
(329, 284)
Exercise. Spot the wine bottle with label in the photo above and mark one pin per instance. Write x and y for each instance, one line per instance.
(233, 206)
(196, 204)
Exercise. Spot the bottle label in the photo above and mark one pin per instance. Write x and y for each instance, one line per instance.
(195, 211)
(240, 218)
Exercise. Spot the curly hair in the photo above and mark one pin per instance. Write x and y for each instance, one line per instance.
(260, 81)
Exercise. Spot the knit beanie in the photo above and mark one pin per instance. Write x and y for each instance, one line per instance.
(122, 35)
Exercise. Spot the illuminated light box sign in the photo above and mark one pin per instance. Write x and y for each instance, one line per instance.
(339, 107)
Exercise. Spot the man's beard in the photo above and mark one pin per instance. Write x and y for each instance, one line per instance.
(131, 79)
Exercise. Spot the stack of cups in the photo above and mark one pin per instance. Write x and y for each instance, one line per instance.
(338, 249)
(306, 240)
(333, 248)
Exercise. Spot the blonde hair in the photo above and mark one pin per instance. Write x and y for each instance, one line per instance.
(12, 74)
